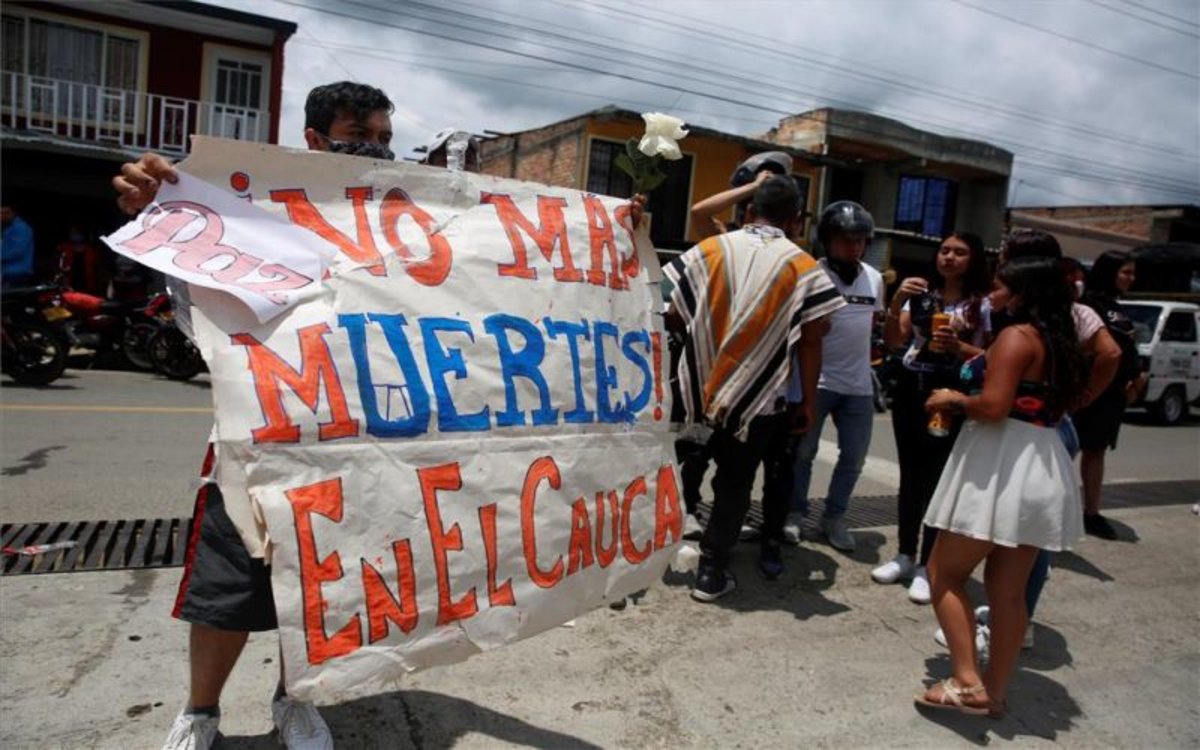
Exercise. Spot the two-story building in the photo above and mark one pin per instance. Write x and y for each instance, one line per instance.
(581, 153)
(85, 86)
(919, 186)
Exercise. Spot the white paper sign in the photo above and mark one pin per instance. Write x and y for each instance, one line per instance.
(204, 236)
(463, 439)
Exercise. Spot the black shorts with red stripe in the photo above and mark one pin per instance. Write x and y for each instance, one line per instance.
(223, 586)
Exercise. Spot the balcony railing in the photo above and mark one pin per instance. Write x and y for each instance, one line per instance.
(132, 120)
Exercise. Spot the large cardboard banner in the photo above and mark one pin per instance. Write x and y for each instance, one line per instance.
(461, 439)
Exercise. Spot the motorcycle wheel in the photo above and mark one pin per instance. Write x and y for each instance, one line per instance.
(39, 353)
(173, 355)
(135, 342)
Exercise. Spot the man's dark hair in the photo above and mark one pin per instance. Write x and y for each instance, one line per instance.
(777, 200)
(358, 100)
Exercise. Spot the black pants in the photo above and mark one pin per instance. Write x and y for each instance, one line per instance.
(922, 457)
(693, 461)
(737, 463)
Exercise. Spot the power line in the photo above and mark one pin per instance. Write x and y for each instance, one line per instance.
(1157, 12)
(358, 51)
(1006, 110)
(1022, 181)
(415, 120)
(1076, 40)
(1110, 173)
(758, 83)
(440, 33)
(1093, 178)
(1143, 19)
(417, 57)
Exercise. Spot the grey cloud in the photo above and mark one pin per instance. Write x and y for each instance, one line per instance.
(938, 46)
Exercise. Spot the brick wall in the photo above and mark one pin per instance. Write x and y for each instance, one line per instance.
(549, 155)
(805, 132)
(1136, 221)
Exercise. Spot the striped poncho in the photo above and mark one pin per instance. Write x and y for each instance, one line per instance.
(743, 297)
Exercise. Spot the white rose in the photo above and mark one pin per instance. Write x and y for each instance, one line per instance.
(662, 132)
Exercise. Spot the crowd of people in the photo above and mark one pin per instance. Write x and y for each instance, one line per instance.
(1007, 375)
(774, 343)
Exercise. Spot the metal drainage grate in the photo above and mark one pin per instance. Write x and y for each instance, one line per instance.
(162, 542)
(99, 545)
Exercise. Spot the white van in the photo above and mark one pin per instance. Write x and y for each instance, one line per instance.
(1169, 346)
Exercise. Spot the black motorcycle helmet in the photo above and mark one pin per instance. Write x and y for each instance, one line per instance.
(846, 217)
(776, 161)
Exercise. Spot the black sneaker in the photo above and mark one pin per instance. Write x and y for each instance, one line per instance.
(1098, 525)
(770, 561)
(712, 582)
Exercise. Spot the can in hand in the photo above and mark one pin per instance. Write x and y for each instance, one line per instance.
(939, 424)
(939, 320)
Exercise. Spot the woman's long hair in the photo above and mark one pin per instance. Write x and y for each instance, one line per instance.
(976, 282)
(1044, 301)
(1102, 280)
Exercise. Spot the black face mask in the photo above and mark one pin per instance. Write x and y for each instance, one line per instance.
(846, 271)
(360, 148)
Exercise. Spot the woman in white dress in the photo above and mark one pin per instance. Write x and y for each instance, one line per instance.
(1008, 487)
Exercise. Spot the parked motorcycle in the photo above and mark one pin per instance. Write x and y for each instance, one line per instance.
(113, 328)
(34, 343)
(173, 355)
(885, 371)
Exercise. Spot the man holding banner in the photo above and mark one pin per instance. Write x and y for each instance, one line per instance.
(442, 438)
(225, 592)
(748, 300)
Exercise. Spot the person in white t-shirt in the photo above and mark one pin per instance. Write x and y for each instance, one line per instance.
(844, 390)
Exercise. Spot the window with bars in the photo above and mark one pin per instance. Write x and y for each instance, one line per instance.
(926, 205)
(603, 176)
(73, 70)
(668, 204)
(238, 95)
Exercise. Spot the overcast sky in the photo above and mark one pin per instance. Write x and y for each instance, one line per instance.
(1099, 100)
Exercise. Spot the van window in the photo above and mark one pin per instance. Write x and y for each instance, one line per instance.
(1181, 327)
(1144, 319)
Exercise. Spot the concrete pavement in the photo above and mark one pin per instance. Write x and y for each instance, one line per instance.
(822, 658)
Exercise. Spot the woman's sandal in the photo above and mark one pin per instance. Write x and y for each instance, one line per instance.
(952, 699)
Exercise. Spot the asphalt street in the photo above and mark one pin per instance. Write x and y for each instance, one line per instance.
(821, 658)
(103, 444)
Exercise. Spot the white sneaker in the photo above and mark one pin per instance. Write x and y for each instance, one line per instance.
(692, 530)
(1027, 641)
(192, 732)
(838, 534)
(900, 566)
(983, 638)
(793, 528)
(918, 590)
(983, 642)
(300, 726)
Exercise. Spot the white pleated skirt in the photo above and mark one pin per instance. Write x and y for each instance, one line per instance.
(1011, 483)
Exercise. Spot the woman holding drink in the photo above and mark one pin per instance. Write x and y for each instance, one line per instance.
(943, 321)
(1008, 488)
